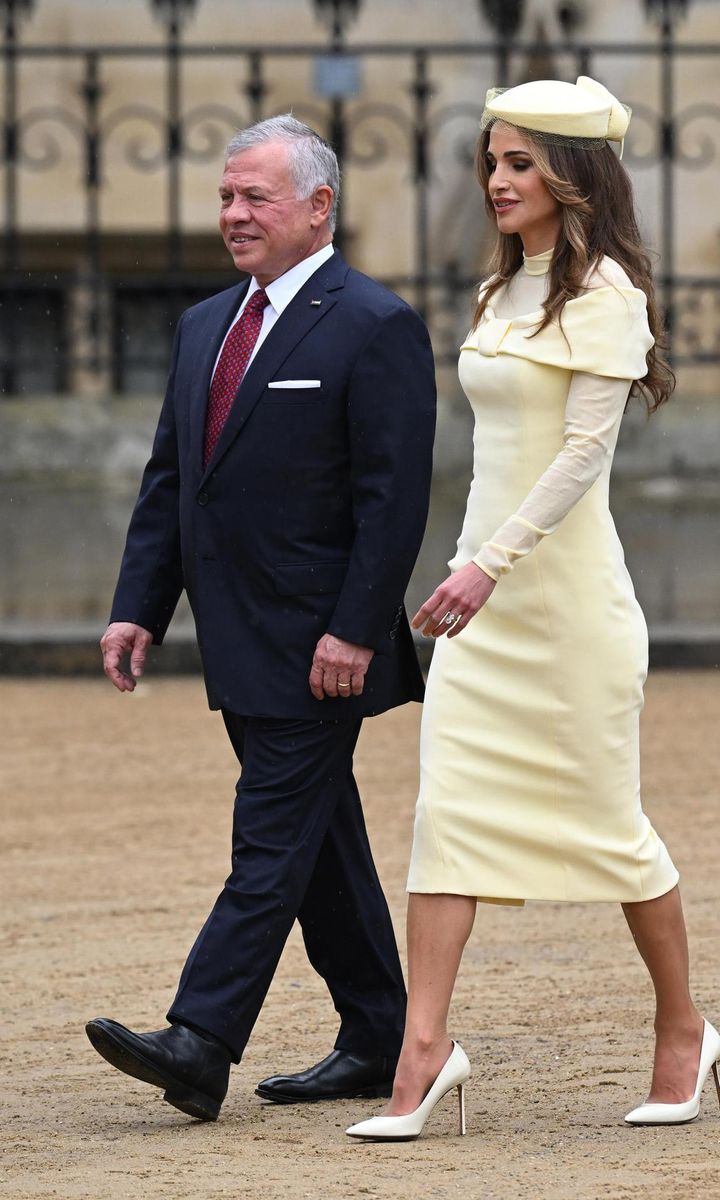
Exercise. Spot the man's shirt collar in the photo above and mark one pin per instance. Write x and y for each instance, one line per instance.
(284, 289)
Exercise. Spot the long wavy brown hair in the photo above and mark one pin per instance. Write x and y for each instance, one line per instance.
(598, 218)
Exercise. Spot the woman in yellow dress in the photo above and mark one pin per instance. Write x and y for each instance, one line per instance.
(529, 784)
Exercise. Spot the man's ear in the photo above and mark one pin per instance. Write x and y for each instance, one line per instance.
(322, 202)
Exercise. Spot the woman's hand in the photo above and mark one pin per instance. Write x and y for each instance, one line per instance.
(455, 602)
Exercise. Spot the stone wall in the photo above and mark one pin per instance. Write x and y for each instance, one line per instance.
(69, 466)
(69, 471)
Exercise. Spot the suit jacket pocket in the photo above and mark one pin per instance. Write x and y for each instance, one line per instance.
(294, 395)
(309, 578)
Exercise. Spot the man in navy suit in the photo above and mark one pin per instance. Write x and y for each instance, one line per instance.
(287, 493)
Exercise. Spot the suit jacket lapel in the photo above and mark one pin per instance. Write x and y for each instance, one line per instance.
(295, 322)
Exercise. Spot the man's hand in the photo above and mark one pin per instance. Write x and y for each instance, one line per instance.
(338, 668)
(122, 637)
(455, 602)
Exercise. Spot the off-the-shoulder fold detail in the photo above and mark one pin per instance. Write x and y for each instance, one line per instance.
(604, 332)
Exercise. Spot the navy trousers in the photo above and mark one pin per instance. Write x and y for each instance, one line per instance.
(299, 850)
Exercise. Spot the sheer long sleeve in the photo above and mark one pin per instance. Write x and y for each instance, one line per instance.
(595, 405)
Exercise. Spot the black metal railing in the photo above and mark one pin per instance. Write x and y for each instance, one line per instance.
(95, 305)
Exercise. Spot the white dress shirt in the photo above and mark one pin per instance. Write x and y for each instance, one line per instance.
(280, 292)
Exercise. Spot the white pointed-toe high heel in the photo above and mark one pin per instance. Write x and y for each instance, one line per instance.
(679, 1114)
(454, 1074)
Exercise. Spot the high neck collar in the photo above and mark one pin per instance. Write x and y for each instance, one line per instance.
(538, 264)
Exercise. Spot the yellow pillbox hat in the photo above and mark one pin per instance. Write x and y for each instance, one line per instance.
(584, 109)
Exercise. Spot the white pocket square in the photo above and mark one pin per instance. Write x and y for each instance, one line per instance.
(295, 383)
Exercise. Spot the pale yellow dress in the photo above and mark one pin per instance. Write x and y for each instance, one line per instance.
(529, 757)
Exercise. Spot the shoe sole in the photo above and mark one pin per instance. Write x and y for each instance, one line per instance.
(179, 1095)
(379, 1091)
(660, 1124)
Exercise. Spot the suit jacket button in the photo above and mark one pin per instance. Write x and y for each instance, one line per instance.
(203, 499)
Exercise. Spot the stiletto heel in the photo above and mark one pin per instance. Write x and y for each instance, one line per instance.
(461, 1108)
(454, 1074)
(680, 1114)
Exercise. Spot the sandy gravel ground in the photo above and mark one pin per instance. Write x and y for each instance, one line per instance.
(116, 821)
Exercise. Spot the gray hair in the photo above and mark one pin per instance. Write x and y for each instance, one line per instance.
(313, 162)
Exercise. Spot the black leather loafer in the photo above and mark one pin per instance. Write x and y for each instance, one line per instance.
(192, 1068)
(340, 1076)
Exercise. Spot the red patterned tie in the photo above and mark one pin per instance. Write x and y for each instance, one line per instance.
(231, 367)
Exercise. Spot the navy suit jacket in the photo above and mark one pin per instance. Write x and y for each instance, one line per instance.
(309, 516)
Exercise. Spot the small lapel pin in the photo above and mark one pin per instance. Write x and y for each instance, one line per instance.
(316, 302)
